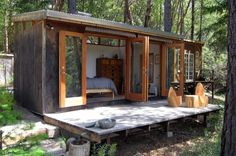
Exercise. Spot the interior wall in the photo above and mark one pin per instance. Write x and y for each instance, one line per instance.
(98, 51)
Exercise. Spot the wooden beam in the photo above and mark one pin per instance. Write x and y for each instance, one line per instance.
(74, 129)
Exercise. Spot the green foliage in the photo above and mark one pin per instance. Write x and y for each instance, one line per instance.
(7, 114)
(219, 67)
(104, 150)
(210, 145)
(29, 146)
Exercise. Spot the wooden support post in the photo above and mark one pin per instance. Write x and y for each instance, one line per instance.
(205, 119)
(126, 133)
(108, 140)
(166, 129)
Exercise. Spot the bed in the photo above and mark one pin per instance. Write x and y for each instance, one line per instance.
(101, 85)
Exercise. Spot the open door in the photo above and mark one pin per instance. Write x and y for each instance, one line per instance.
(72, 69)
(172, 68)
(137, 53)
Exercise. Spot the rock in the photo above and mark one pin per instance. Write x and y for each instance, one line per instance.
(52, 131)
(55, 147)
(169, 134)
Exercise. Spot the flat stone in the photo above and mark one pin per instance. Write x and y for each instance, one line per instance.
(29, 125)
(52, 131)
(55, 147)
(169, 134)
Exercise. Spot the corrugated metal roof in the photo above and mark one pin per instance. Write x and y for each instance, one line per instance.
(91, 21)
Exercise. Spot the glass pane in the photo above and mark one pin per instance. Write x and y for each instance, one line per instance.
(92, 40)
(109, 41)
(73, 46)
(173, 68)
(136, 67)
(188, 66)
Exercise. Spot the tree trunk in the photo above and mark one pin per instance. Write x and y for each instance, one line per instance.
(127, 14)
(193, 19)
(148, 12)
(6, 36)
(72, 6)
(200, 27)
(228, 142)
(167, 16)
(58, 5)
(160, 17)
(181, 31)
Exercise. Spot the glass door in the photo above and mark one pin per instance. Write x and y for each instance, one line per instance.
(173, 68)
(72, 69)
(137, 53)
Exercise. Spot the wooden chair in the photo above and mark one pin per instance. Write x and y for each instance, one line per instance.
(197, 100)
(173, 99)
(200, 92)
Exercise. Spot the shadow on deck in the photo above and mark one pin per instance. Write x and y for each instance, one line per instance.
(129, 116)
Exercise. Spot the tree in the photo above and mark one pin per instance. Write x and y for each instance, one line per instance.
(72, 6)
(167, 16)
(148, 12)
(228, 144)
(127, 14)
(193, 19)
(201, 16)
(58, 5)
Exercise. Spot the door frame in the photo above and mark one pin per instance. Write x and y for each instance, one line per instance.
(145, 55)
(164, 90)
(73, 101)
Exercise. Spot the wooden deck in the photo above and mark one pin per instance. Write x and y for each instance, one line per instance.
(128, 116)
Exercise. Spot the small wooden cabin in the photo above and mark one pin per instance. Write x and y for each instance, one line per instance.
(64, 60)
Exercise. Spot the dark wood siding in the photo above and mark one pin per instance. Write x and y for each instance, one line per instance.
(51, 79)
(28, 68)
(51, 94)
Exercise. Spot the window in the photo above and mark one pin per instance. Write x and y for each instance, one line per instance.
(105, 41)
(189, 65)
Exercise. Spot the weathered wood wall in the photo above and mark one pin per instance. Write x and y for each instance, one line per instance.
(51, 79)
(28, 68)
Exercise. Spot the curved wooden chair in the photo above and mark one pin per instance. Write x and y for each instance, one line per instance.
(200, 92)
(173, 99)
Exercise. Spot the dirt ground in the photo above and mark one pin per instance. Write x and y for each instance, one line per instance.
(156, 142)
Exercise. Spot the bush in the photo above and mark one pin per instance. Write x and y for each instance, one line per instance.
(7, 114)
(210, 144)
(28, 146)
(104, 150)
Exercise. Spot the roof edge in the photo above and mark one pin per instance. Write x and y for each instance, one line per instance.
(30, 16)
(97, 22)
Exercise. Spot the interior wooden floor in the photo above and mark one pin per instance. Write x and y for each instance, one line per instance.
(128, 116)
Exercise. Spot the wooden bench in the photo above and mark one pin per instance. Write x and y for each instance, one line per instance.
(89, 91)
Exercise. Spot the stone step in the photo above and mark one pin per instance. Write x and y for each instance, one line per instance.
(29, 125)
(55, 147)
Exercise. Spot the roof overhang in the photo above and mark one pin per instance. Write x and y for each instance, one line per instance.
(94, 22)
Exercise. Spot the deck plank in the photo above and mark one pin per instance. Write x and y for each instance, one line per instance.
(127, 116)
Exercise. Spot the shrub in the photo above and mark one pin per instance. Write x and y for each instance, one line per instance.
(28, 146)
(104, 150)
(210, 145)
(7, 114)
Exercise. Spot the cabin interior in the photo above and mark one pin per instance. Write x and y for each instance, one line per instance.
(72, 61)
